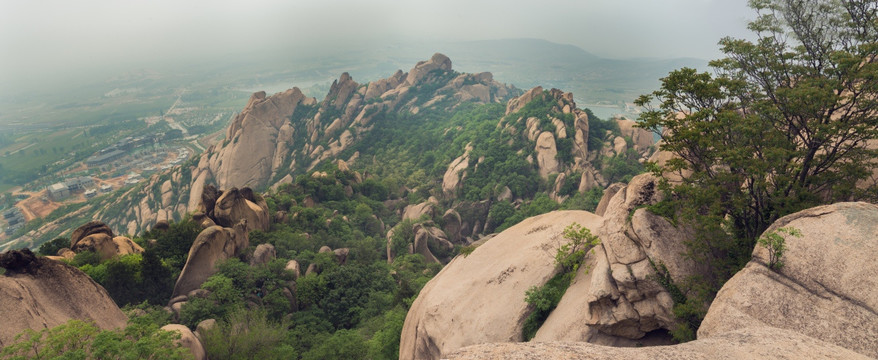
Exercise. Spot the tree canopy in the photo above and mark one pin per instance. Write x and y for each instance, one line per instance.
(785, 122)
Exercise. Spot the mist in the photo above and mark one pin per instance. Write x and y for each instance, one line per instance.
(48, 43)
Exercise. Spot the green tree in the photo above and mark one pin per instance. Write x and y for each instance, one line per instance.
(781, 125)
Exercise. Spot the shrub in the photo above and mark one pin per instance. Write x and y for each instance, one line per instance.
(776, 245)
(247, 335)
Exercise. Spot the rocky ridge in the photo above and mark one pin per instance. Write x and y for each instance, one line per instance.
(793, 312)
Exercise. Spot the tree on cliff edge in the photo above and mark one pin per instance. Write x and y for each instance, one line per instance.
(784, 123)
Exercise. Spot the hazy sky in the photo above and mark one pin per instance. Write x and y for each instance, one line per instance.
(61, 36)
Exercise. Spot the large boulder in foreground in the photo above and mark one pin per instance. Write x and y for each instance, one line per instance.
(827, 288)
(615, 298)
(212, 245)
(480, 297)
(754, 343)
(38, 293)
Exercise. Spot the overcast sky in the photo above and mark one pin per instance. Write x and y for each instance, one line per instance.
(63, 36)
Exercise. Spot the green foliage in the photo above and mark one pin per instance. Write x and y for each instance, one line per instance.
(51, 248)
(173, 244)
(622, 167)
(343, 344)
(569, 258)
(587, 200)
(780, 126)
(571, 254)
(384, 344)
(597, 130)
(77, 339)
(541, 204)
(776, 245)
(544, 299)
(247, 334)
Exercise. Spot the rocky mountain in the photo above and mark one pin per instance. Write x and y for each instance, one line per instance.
(275, 138)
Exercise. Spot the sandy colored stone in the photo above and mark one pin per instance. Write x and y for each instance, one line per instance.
(751, 343)
(546, 152)
(212, 245)
(827, 288)
(232, 206)
(188, 340)
(480, 298)
(263, 254)
(38, 293)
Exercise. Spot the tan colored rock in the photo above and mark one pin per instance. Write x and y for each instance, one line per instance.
(188, 340)
(519, 102)
(751, 343)
(452, 222)
(38, 293)
(414, 212)
(560, 129)
(609, 192)
(619, 145)
(641, 138)
(546, 153)
(480, 298)
(263, 254)
(89, 228)
(293, 266)
(426, 235)
(212, 245)
(232, 206)
(580, 138)
(205, 325)
(826, 289)
(107, 247)
(420, 71)
(247, 158)
(454, 175)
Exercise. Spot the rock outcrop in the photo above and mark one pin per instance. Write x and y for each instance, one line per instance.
(213, 244)
(614, 298)
(234, 205)
(98, 237)
(820, 304)
(827, 288)
(188, 340)
(90, 228)
(263, 254)
(38, 293)
(480, 298)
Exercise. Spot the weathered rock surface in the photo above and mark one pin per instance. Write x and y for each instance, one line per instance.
(546, 154)
(232, 206)
(455, 173)
(263, 254)
(89, 228)
(212, 245)
(246, 160)
(480, 298)
(188, 340)
(751, 343)
(618, 301)
(107, 247)
(38, 293)
(827, 288)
